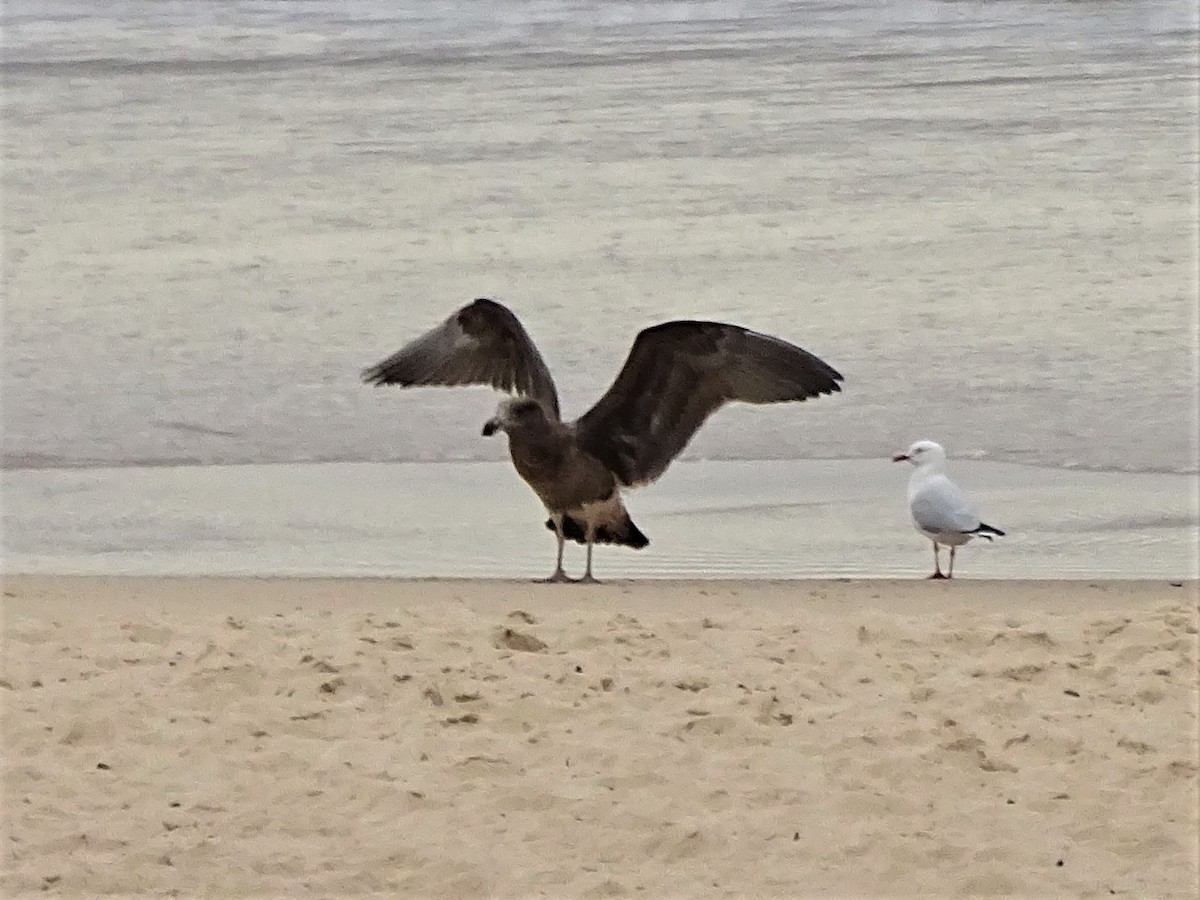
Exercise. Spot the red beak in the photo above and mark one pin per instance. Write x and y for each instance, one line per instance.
(900, 457)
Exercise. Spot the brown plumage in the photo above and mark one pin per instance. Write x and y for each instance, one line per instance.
(676, 375)
(482, 343)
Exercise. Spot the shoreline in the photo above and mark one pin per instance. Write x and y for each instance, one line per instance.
(898, 596)
(17, 463)
(841, 519)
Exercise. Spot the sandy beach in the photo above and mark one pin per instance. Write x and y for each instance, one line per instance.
(254, 737)
(213, 215)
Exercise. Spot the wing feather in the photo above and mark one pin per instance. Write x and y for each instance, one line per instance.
(482, 343)
(940, 506)
(679, 373)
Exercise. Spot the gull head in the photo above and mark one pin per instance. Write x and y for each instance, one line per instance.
(922, 453)
(515, 414)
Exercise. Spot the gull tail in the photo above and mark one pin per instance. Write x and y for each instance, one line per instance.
(986, 531)
(619, 531)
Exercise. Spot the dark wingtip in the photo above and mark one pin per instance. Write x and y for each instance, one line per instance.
(835, 377)
(487, 303)
(829, 386)
(382, 374)
(986, 531)
(376, 376)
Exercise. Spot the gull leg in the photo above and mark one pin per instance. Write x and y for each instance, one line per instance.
(950, 572)
(937, 562)
(588, 578)
(559, 575)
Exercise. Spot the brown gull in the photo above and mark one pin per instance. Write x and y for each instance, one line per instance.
(676, 375)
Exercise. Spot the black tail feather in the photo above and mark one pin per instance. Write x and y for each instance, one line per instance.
(986, 531)
(628, 534)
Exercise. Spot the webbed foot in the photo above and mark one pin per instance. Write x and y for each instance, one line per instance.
(559, 577)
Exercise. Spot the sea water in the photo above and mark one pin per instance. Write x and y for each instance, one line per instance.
(217, 213)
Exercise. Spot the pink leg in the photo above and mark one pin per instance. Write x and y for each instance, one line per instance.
(559, 576)
(937, 563)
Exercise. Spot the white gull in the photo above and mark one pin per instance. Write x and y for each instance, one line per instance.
(940, 509)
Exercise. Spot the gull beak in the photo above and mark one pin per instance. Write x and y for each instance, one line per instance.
(900, 457)
(490, 427)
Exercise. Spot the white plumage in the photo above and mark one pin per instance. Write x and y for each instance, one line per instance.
(940, 509)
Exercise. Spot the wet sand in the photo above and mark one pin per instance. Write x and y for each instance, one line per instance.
(255, 737)
(764, 519)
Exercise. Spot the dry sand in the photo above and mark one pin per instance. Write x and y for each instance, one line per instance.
(276, 738)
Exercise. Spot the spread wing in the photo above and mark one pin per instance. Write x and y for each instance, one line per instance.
(482, 343)
(940, 506)
(676, 376)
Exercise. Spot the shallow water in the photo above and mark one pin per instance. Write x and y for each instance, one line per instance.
(215, 214)
(822, 518)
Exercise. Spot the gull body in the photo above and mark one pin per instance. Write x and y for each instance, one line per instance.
(676, 375)
(578, 490)
(940, 509)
